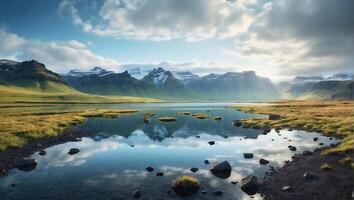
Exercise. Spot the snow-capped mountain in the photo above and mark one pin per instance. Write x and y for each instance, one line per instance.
(94, 71)
(308, 78)
(158, 76)
(185, 76)
(341, 77)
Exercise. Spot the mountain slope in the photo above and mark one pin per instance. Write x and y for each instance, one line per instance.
(235, 86)
(33, 76)
(329, 90)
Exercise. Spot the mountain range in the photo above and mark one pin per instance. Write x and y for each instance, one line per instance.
(174, 85)
(169, 85)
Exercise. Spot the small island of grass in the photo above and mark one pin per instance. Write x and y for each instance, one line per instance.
(167, 119)
(200, 116)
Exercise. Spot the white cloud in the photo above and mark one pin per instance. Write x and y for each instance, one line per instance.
(301, 37)
(59, 56)
(164, 19)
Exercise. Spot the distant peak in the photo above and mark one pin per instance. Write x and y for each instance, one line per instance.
(158, 70)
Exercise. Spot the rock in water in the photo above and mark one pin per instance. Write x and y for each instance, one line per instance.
(292, 148)
(42, 153)
(222, 170)
(159, 174)
(73, 151)
(307, 153)
(26, 164)
(185, 185)
(237, 123)
(249, 184)
(194, 169)
(248, 155)
(263, 161)
(149, 169)
(206, 162)
(211, 142)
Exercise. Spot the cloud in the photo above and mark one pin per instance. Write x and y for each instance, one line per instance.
(302, 37)
(59, 56)
(164, 19)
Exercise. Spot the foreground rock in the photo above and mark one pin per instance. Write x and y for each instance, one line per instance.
(222, 170)
(292, 148)
(26, 164)
(185, 186)
(73, 151)
(263, 161)
(250, 184)
(248, 155)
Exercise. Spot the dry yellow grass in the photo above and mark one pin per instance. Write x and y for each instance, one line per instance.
(18, 128)
(332, 118)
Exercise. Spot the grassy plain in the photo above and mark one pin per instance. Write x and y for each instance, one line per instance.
(16, 129)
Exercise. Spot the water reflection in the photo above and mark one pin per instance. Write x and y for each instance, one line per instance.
(112, 160)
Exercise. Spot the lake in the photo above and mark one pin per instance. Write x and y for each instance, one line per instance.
(113, 157)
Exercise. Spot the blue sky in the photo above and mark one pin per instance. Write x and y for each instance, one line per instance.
(278, 39)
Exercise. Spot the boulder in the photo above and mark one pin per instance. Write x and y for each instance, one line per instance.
(206, 162)
(42, 153)
(222, 170)
(249, 184)
(26, 164)
(263, 161)
(159, 174)
(149, 169)
(194, 169)
(185, 185)
(292, 148)
(248, 155)
(315, 139)
(211, 142)
(73, 151)
(307, 153)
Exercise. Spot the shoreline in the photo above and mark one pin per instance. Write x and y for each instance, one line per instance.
(10, 156)
(321, 186)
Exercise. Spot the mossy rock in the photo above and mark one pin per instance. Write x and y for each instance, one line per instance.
(184, 113)
(185, 185)
(167, 119)
(200, 116)
(326, 167)
(217, 118)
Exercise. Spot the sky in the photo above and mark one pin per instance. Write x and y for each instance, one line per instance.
(278, 39)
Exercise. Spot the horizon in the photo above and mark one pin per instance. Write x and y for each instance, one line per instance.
(276, 39)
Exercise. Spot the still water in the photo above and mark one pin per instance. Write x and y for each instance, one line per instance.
(113, 157)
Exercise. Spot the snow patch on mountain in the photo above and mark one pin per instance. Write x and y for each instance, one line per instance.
(94, 71)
